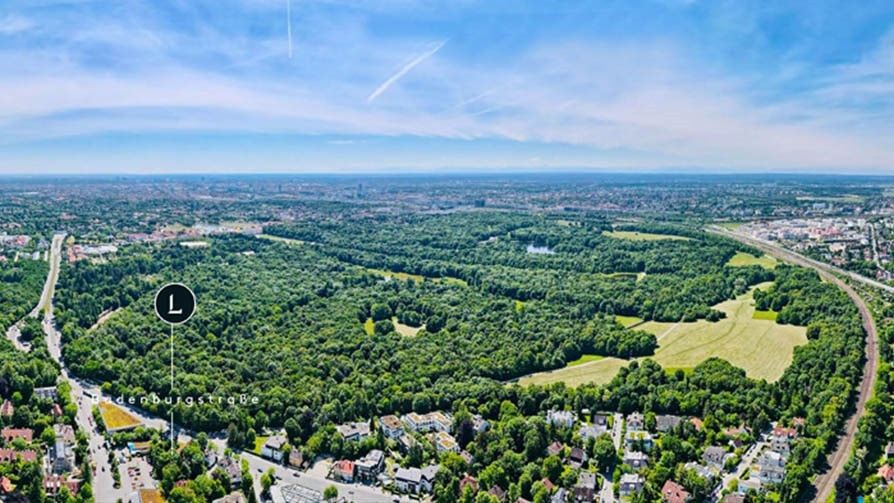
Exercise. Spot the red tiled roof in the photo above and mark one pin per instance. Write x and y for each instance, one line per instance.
(674, 493)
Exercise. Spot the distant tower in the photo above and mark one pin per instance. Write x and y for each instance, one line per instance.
(359, 190)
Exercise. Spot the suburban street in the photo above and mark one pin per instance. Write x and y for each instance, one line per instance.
(606, 492)
(825, 482)
(353, 492)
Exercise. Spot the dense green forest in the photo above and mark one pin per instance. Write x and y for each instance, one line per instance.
(285, 322)
(20, 285)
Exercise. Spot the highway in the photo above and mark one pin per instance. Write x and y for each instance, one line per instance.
(825, 482)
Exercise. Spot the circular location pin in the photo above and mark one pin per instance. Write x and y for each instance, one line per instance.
(175, 303)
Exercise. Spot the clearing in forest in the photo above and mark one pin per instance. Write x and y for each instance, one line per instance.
(643, 236)
(761, 347)
(405, 330)
(742, 259)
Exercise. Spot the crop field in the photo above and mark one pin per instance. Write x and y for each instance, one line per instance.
(116, 418)
(742, 259)
(760, 346)
(643, 236)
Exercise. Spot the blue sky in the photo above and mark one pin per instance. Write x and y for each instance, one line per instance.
(149, 86)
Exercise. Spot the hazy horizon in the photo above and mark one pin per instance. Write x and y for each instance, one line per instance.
(280, 86)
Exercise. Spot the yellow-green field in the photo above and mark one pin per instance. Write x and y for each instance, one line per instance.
(642, 236)
(742, 259)
(405, 330)
(760, 346)
(369, 326)
(116, 418)
(627, 321)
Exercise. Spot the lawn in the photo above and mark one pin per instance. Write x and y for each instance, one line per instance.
(742, 259)
(627, 321)
(116, 418)
(643, 236)
(403, 276)
(760, 346)
(585, 359)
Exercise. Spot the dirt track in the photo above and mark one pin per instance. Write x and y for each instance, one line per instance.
(825, 482)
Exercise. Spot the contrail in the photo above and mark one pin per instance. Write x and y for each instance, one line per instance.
(403, 71)
(289, 24)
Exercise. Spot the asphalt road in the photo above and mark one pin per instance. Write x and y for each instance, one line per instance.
(825, 482)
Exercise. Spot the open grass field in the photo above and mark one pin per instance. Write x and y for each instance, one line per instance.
(643, 236)
(627, 321)
(405, 330)
(402, 276)
(742, 259)
(287, 241)
(765, 315)
(116, 418)
(760, 346)
(369, 327)
(585, 359)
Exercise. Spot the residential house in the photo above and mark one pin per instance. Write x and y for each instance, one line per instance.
(424, 423)
(665, 423)
(211, 458)
(635, 421)
(408, 480)
(296, 458)
(63, 448)
(47, 393)
(636, 459)
(555, 449)
(548, 484)
(781, 439)
(886, 473)
(577, 457)
(889, 450)
(351, 432)
(235, 497)
(560, 496)
(11, 434)
(444, 442)
(733, 498)
(9, 456)
(672, 492)
(370, 466)
(601, 420)
(588, 431)
(273, 448)
(585, 489)
(630, 484)
(468, 481)
(746, 486)
(697, 423)
(705, 472)
(343, 470)
(772, 467)
(53, 483)
(479, 424)
(428, 477)
(638, 440)
(563, 418)
(715, 456)
(7, 410)
(232, 468)
(391, 426)
(497, 492)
